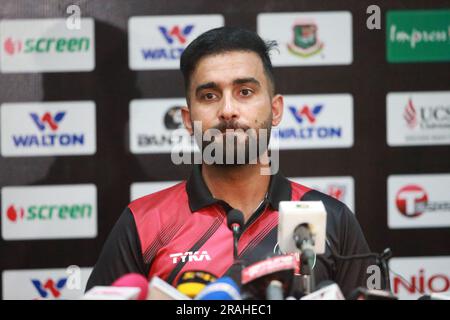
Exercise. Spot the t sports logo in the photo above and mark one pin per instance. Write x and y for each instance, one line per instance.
(412, 201)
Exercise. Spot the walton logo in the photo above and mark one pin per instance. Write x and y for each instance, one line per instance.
(410, 115)
(190, 256)
(172, 36)
(412, 201)
(47, 119)
(13, 214)
(308, 132)
(49, 287)
(51, 139)
(306, 112)
(176, 33)
(11, 47)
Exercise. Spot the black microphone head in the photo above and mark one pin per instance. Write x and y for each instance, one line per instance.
(235, 216)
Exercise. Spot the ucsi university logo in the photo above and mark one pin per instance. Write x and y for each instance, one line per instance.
(50, 287)
(190, 256)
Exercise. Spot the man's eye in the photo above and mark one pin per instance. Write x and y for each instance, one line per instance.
(246, 92)
(209, 96)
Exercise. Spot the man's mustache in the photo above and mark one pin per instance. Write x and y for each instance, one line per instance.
(230, 125)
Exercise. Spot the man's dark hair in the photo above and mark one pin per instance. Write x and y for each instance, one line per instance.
(226, 39)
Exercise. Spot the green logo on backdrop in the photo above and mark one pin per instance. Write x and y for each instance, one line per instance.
(418, 35)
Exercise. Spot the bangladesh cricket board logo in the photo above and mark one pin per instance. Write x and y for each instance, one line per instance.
(305, 42)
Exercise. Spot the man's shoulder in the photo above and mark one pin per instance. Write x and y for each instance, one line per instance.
(166, 198)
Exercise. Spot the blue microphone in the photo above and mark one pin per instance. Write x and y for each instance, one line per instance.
(222, 289)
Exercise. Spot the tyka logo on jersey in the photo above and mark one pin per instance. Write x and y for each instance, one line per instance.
(190, 256)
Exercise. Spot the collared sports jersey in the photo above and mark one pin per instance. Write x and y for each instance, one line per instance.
(184, 228)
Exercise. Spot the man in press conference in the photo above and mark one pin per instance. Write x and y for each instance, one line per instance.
(230, 87)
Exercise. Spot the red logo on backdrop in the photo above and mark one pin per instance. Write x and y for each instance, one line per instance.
(411, 200)
(410, 114)
(11, 47)
(13, 214)
(336, 191)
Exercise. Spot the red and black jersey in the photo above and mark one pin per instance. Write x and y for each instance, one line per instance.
(184, 228)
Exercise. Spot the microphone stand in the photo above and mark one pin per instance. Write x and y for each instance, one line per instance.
(305, 243)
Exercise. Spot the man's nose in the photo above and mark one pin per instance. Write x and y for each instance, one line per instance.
(229, 110)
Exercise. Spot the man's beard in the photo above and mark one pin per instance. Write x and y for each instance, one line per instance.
(237, 149)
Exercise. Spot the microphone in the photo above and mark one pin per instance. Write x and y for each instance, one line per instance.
(257, 277)
(132, 286)
(235, 222)
(191, 283)
(274, 290)
(326, 290)
(222, 289)
(302, 228)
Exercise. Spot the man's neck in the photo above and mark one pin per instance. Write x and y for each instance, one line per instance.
(242, 187)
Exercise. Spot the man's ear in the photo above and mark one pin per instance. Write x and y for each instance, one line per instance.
(277, 109)
(186, 116)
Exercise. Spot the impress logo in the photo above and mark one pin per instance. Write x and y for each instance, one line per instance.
(416, 201)
(46, 45)
(157, 42)
(49, 212)
(418, 118)
(52, 131)
(49, 287)
(417, 35)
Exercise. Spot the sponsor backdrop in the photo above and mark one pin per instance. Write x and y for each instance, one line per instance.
(88, 108)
